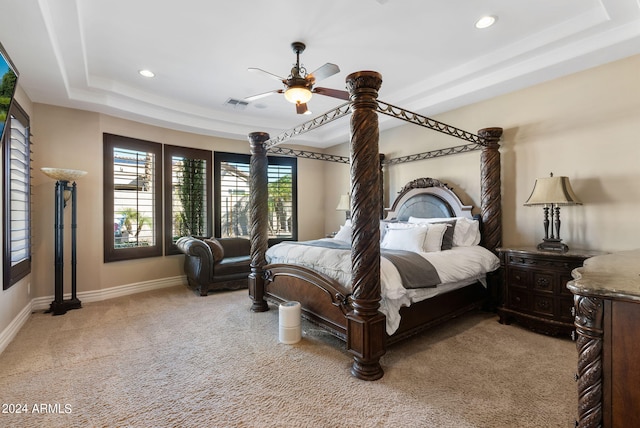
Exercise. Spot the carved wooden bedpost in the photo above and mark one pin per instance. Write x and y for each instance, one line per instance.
(382, 213)
(589, 327)
(365, 324)
(258, 217)
(490, 187)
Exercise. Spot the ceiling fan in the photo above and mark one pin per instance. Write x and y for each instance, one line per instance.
(299, 85)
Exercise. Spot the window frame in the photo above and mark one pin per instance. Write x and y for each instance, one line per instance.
(170, 151)
(13, 273)
(112, 254)
(220, 157)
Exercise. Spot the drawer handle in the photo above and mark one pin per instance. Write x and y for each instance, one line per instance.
(573, 311)
(544, 282)
(573, 335)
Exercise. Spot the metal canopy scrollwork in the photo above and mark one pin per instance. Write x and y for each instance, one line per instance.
(435, 154)
(308, 155)
(330, 116)
(418, 119)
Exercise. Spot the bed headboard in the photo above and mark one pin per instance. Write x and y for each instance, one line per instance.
(427, 198)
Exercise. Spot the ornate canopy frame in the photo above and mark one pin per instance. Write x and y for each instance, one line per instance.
(366, 339)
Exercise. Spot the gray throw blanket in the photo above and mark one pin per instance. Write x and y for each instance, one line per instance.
(415, 271)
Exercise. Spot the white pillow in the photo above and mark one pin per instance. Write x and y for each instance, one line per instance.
(383, 229)
(344, 234)
(433, 240)
(408, 239)
(466, 233)
(470, 232)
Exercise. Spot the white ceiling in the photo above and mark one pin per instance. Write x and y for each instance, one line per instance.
(86, 54)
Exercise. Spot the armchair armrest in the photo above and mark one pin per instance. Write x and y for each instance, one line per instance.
(198, 263)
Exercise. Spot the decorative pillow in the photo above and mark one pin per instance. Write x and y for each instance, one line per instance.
(344, 234)
(407, 238)
(216, 249)
(435, 237)
(447, 239)
(466, 232)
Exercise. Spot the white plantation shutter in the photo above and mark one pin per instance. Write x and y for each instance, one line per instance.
(17, 213)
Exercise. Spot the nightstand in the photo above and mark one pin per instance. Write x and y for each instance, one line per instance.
(534, 288)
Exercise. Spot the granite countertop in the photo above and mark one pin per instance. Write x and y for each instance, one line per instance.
(615, 275)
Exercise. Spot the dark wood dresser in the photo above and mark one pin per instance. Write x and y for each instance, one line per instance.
(534, 291)
(607, 320)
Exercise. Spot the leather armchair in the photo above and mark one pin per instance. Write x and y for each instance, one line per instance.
(216, 263)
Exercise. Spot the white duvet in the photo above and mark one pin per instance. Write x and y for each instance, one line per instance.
(457, 267)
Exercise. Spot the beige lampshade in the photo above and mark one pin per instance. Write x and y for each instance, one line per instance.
(552, 190)
(63, 174)
(344, 204)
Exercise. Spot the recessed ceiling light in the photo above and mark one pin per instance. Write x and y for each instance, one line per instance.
(486, 21)
(146, 73)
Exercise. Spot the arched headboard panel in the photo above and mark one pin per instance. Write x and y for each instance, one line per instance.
(427, 198)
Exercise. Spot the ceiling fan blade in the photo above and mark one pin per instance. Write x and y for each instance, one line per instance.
(335, 93)
(264, 94)
(323, 72)
(301, 108)
(273, 76)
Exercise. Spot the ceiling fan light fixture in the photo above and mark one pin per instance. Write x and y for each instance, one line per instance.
(298, 94)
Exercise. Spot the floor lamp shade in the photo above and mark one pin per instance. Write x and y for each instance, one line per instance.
(550, 193)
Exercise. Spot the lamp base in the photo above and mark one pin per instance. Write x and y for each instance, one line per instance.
(61, 308)
(555, 245)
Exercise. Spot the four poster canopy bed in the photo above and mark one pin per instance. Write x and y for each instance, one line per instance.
(389, 276)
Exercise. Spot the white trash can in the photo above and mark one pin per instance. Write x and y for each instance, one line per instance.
(290, 322)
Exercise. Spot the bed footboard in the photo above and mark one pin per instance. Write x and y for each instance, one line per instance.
(428, 313)
(324, 301)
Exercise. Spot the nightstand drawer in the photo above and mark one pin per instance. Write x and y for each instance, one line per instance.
(518, 277)
(543, 305)
(543, 281)
(519, 299)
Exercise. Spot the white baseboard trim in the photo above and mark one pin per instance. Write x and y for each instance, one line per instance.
(14, 327)
(43, 303)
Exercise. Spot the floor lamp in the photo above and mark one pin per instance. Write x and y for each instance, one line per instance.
(64, 193)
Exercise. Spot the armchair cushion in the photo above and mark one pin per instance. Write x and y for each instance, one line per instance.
(216, 263)
(216, 248)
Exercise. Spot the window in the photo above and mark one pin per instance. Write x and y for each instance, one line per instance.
(187, 197)
(132, 198)
(232, 196)
(17, 199)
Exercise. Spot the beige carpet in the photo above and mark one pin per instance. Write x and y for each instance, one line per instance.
(170, 358)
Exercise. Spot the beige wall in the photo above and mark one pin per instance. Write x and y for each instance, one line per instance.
(73, 139)
(585, 126)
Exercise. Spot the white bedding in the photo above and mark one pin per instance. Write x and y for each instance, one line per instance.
(456, 267)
